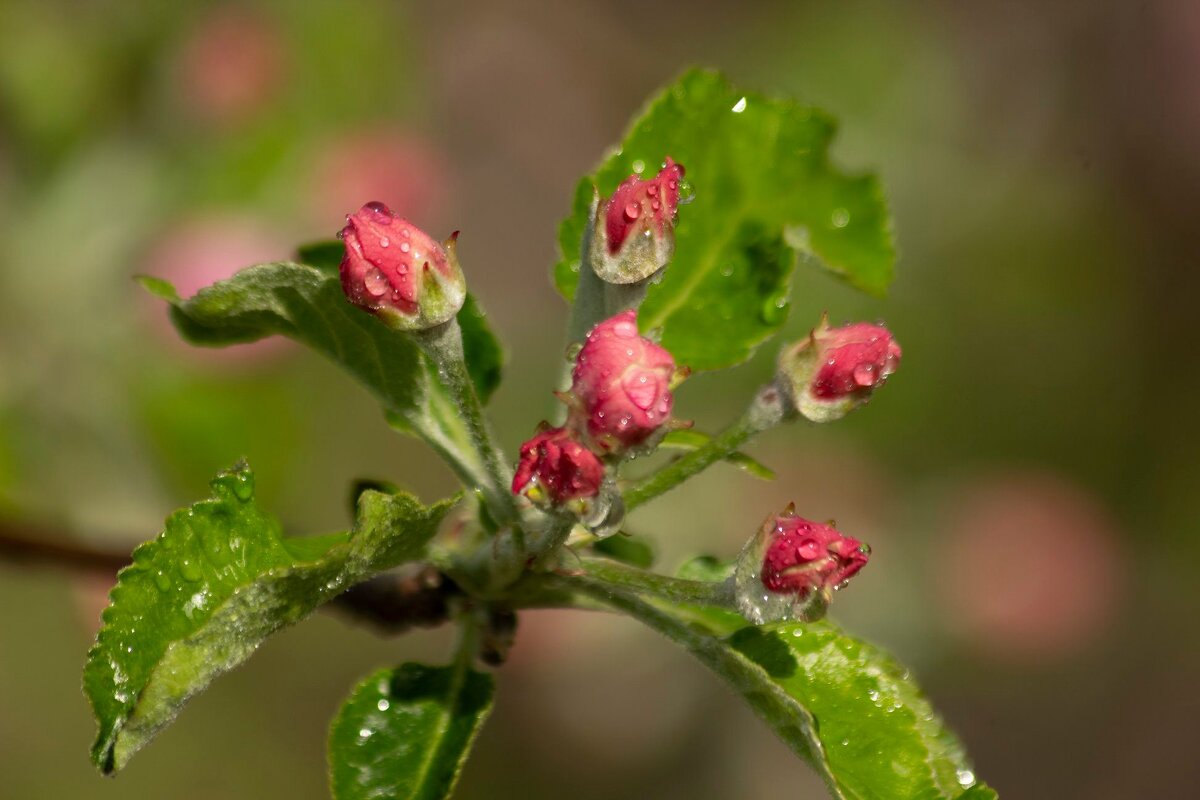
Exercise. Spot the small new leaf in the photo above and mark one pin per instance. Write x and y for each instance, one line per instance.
(198, 600)
(691, 439)
(404, 734)
(765, 192)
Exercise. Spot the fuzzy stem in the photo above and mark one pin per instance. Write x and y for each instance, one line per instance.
(443, 344)
(679, 590)
(767, 411)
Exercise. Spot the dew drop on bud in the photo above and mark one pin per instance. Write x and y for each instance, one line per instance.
(865, 375)
(632, 211)
(375, 283)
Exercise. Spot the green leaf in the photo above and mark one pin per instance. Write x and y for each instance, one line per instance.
(405, 733)
(484, 355)
(219, 579)
(626, 549)
(842, 704)
(979, 792)
(764, 191)
(306, 304)
(325, 255)
(691, 439)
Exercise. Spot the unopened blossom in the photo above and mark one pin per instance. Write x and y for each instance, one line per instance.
(621, 385)
(835, 370)
(555, 468)
(398, 272)
(790, 569)
(633, 231)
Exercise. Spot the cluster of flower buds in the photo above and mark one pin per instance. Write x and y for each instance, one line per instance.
(791, 568)
(633, 232)
(398, 272)
(620, 401)
(835, 370)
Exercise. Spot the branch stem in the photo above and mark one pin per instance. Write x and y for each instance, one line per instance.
(765, 412)
(443, 344)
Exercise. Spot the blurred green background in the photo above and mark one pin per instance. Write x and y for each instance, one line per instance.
(1027, 480)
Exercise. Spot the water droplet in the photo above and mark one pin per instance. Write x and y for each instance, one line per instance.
(865, 375)
(405, 247)
(652, 190)
(965, 778)
(840, 218)
(687, 193)
(365, 733)
(383, 705)
(375, 283)
(632, 211)
(639, 166)
(162, 581)
(385, 242)
(739, 106)
(377, 207)
(243, 486)
(190, 570)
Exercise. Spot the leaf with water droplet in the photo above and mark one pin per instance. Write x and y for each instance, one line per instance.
(178, 617)
(842, 704)
(404, 733)
(306, 303)
(760, 174)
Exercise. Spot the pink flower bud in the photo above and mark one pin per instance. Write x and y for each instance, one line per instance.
(398, 272)
(622, 384)
(804, 556)
(555, 468)
(791, 568)
(633, 232)
(835, 370)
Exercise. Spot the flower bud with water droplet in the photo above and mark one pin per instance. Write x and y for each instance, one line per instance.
(555, 469)
(633, 232)
(621, 385)
(835, 370)
(398, 272)
(791, 568)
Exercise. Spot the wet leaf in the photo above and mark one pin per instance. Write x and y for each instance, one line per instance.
(765, 191)
(405, 733)
(840, 703)
(198, 600)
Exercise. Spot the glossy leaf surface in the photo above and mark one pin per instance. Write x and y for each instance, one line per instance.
(198, 600)
(765, 191)
(405, 733)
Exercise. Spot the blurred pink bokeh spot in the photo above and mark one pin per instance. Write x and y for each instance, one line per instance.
(198, 252)
(231, 65)
(400, 169)
(1030, 567)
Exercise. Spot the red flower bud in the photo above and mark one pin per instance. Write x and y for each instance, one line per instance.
(790, 569)
(555, 468)
(804, 556)
(622, 384)
(633, 232)
(398, 272)
(835, 370)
